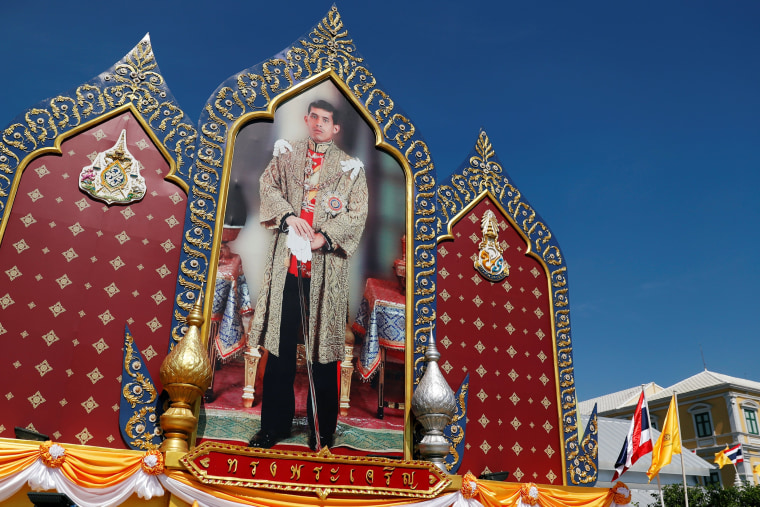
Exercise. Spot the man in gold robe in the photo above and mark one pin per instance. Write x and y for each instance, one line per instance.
(313, 190)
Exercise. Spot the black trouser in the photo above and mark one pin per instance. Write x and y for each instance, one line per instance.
(278, 398)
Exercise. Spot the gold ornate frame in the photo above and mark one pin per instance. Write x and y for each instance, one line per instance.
(325, 53)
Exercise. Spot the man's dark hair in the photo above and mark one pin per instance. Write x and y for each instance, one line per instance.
(323, 104)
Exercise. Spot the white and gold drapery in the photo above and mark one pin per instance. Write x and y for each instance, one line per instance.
(94, 477)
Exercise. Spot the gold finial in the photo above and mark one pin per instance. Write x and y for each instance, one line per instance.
(195, 317)
(185, 374)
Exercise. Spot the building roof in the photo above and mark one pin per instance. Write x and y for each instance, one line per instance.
(617, 400)
(703, 380)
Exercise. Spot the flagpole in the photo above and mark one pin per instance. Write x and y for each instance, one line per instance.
(649, 415)
(683, 466)
(659, 487)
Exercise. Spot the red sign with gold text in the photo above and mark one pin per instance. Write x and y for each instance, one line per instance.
(322, 473)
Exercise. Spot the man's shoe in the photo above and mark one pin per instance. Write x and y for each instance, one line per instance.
(325, 441)
(264, 439)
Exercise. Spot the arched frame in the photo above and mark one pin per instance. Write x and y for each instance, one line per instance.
(325, 53)
(449, 236)
(133, 86)
(482, 176)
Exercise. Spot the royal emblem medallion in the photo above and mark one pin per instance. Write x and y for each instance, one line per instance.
(114, 176)
(490, 262)
(334, 203)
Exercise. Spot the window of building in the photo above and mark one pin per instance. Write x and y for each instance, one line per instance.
(713, 479)
(703, 424)
(750, 418)
(701, 414)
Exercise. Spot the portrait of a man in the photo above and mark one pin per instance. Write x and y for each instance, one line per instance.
(314, 198)
(315, 212)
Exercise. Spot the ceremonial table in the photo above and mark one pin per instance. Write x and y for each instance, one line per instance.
(381, 320)
(232, 302)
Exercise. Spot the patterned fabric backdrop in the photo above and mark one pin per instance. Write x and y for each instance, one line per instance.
(501, 333)
(74, 271)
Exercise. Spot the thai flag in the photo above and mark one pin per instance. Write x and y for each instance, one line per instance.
(639, 439)
(735, 454)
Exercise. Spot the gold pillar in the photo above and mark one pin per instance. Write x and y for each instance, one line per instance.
(346, 371)
(252, 360)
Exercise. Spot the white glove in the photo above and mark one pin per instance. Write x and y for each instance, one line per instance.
(354, 165)
(281, 146)
(300, 247)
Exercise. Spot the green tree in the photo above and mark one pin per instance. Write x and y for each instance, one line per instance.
(673, 495)
(744, 496)
(750, 496)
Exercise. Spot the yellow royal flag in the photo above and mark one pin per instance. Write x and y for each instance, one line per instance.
(721, 458)
(669, 442)
(757, 469)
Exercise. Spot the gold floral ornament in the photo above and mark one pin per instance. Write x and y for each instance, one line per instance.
(621, 495)
(529, 494)
(490, 262)
(53, 455)
(329, 46)
(469, 486)
(153, 462)
(114, 176)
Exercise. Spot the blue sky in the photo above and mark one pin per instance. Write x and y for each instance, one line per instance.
(632, 129)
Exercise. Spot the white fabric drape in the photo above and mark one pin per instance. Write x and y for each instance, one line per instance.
(41, 478)
(190, 495)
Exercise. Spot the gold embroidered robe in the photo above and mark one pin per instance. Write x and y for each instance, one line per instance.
(281, 190)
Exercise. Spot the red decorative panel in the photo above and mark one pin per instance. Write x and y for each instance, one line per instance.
(501, 333)
(73, 272)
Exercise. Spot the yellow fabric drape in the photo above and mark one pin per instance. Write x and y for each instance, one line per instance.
(16, 458)
(495, 494)
(490, 494)
(89, 468)
(94, 468)
(99, 469)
